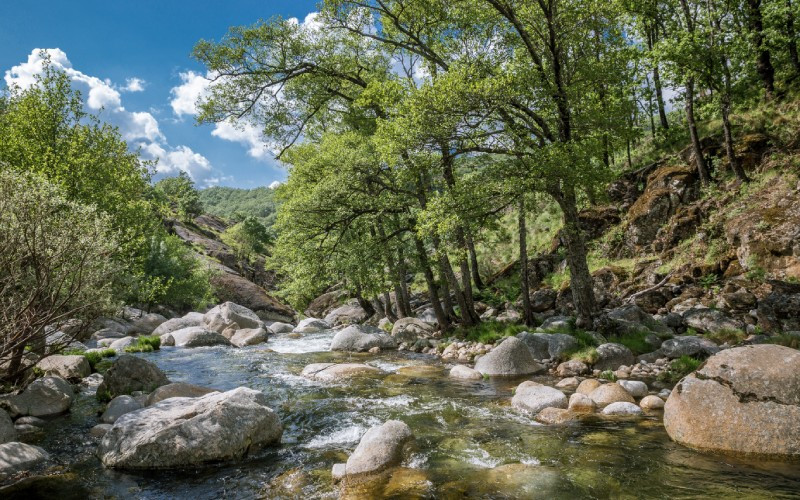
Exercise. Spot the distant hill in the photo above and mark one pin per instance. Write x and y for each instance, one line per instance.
(226, 202)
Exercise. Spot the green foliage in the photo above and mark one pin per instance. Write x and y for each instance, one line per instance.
(248, 237)
(145, 344)
(587, 355)
(489, 332)
(708, 281)
(786, 340)
(235, 204)
(635, 341)
(173, 276)
(732, 337)
(679, 368)
(178, 196)
(95, 357)
(608, 375)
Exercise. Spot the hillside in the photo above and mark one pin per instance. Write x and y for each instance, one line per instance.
(228, 203)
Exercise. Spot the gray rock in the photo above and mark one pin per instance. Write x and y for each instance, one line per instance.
(43, 397)
(129, 374)
(197, 336)
(15, 457)
(688, 345)
(311, 325)
(651, 403)
(380, 448)
(230, 314)
(710, 320)
(744, 401)
(339, 471)
(533, 397)
(119, 345)
(543, 300)
(106, 333)
(560, 343)
(147, 323)
(249, 336)
(509, 316)
(622, 408)
(572, 368)
(175, 324)
(428, 316)
(410, 329)
(465, 372)
(99, 430)
(74, 367)
(7, 431)
(119, 406)
(635, 388)
(180, 432)
(537, 343)
(329, 372)
(361, 338)
(279, 327)
(558, 324)
(176, 390)
(611, 356)
(511, 358)
(347, 314)
(35, 421)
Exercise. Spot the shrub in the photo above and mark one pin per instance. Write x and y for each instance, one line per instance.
(56, 262)
(145, 344)
(608, 375)
(95, 357)
(679, 368)
(489, 331)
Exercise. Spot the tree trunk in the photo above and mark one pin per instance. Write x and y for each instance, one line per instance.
(725, 104)
(527, 311)
(364, 303)
(447, 299)
(702, 170)
(403, 299)
(387, 308)
(763, 58)
(580, 277)
(662, 112)
(473, 257)
(433, 289)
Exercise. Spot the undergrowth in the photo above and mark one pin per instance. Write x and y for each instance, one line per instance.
(145, 344)
(488, 332)
(679, 368)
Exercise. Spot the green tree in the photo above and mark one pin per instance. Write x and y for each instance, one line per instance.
(248, 236)
(56, 264)
(179, 196)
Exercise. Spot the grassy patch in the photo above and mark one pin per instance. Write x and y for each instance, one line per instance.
(93, 357)
(145, 344)
(679, 368)
(587, 355)
(732, 337)
(786, 340)
(608, 375)
(489, 331)
(635, 341)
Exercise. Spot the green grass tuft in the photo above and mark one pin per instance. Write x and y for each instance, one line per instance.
(145, 344)
(679, 368)
(635, 341)
(732, 337)
(785, 340)
(489, 332)
(608, 375)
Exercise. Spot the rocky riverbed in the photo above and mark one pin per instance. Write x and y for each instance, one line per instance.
(471, 436)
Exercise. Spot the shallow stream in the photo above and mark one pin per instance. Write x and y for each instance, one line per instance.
(470, 443)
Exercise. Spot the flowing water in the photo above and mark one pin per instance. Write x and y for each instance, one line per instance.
(469, 442)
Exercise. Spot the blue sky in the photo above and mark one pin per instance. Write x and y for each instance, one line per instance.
(107, 45)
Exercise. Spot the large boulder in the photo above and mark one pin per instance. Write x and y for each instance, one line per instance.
(311, 325)
(7, 431)
(610, 393)
(361, 338)
(129, 374)
(744, 400)
(249, 336)
(465, 373)
(43, 397)
(611, 356)
(118, 407)
(347, 314)
(558, 324)
(146, 323)
(511, 358)
(197, 336)
(632, 319)
(279, 327)
(175, 324)
(120, 345)
(410, 329)
(533, 397)
(231, 315)
(710, 321)
(15, 457)
(688, 345)
(537, 343)
(72, 367)
(177, 390)
(380, 448)
(622, 408)
(181, 432)
(543, 300)
(337, 371)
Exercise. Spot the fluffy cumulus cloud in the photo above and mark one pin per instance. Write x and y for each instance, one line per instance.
(186, 95)
(274, 184)
(140, 128)
(245, 134)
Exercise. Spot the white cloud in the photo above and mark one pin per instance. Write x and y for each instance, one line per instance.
(140, 128)
(134, 85)
(274, 184)
(243, 133)
(187, 94)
